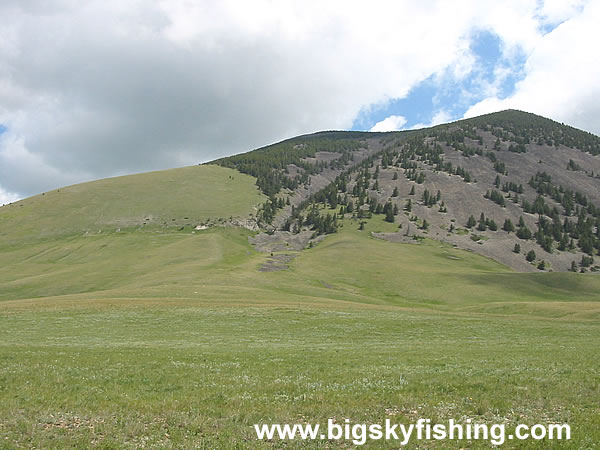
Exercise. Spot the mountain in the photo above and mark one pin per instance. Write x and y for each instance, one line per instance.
(291, 284)
(503, 185)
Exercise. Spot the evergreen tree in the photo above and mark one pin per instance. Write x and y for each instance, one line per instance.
(530, 256)
(389, 215)
(517, 248)
(524, 233)
(482, 226)
(471, 222)
(508, 226)
(395, 193)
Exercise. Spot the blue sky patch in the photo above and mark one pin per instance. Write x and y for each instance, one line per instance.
(492, 74)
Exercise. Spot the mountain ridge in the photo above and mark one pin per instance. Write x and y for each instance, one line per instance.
(509, 153)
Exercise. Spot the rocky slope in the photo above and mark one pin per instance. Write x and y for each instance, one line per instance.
(513, 186)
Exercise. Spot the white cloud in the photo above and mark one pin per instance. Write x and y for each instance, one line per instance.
(438, 118)
(554, 12)
(562, 75)
(7, 197)
(96, 88)
(390, 123)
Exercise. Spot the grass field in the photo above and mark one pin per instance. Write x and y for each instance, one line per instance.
(161, 337)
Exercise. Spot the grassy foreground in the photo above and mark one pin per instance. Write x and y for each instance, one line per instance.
(168, 339)
(126, 373)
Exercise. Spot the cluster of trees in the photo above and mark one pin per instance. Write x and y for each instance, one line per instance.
(523, 232)
(321, 224)
(496, 197)
(525, 128)
(483, 224)
(429, 199)
(512, 186)
(585, 230)
(572, 202)
(518, 148)
(268, 210)
(572, 165)
(500, 167)
(568, 235)
(468, 151)
(268, 164)
(433, 155)
(416, 176)
(455, 136)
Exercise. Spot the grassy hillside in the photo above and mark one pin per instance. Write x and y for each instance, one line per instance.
(219, 264)
(167, 198)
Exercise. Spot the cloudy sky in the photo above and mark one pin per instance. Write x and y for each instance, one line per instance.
(108, 87)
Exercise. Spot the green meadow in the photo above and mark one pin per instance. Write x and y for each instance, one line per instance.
(115, 333)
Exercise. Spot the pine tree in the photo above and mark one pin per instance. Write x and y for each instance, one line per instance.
(395, 193)
(482, 226)
(564, 242)
(412, 190)
(508, 226)
(471, 222)
(517, 248)
(389, 215)
(530, 256)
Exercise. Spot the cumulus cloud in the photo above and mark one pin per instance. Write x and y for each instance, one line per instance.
(390, 123)
(561, 75)
(7, 197)
(442, 116)
(106, 87)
